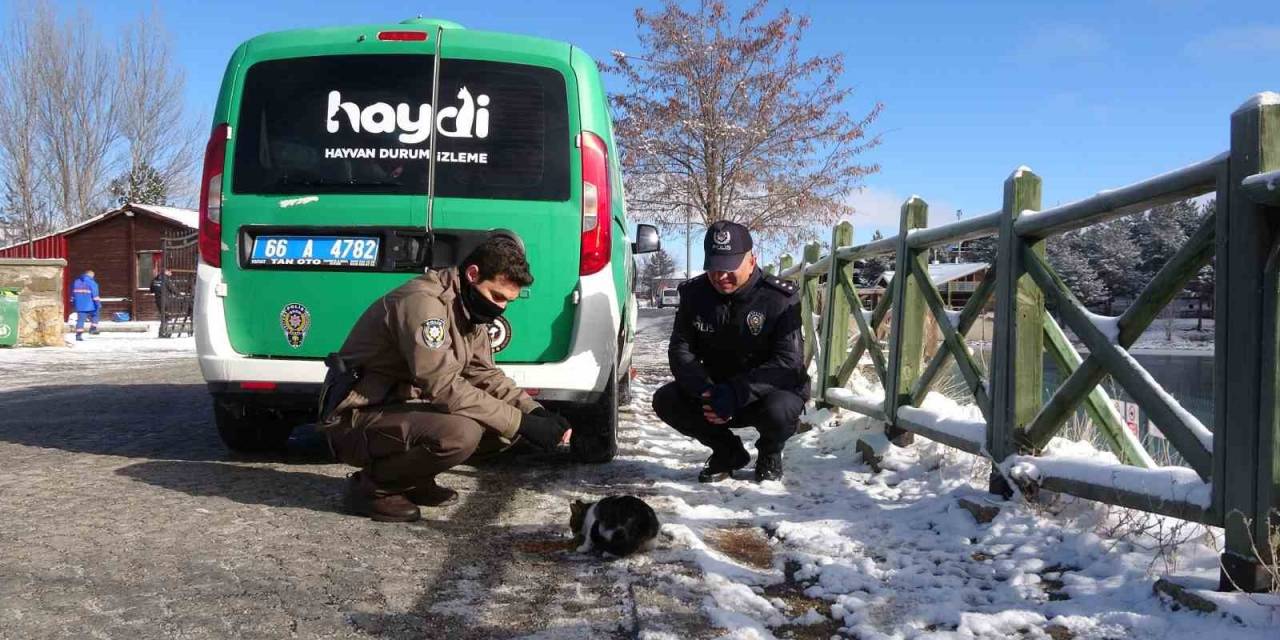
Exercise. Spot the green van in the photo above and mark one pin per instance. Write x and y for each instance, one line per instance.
(343, 161)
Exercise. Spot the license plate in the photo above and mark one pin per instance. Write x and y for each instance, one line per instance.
(315, 251)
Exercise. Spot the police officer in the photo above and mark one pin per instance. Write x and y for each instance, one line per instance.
(162, 287)
(87, 303)
(419, 388)
(737, 356)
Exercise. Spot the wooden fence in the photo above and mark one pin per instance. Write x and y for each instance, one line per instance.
(1233, 475)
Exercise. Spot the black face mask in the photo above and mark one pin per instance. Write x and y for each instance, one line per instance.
(482, 310)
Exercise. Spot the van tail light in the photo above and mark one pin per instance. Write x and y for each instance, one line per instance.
(402, 36)
(215, 155)
(596, 205)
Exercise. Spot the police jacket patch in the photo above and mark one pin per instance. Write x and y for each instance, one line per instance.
(433, 333)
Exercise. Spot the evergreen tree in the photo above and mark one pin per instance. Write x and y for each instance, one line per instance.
(141, 184)
(1114, 258)
(1160, 232)
(872, 268)
(1069, 256)
(659, 265)
(979, 250)
(1203, 285)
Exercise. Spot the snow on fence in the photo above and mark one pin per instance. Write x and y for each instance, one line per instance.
(1232, 477)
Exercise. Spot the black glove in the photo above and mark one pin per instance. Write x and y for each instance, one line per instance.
(723, 401)
(542, 412)
(542, 432)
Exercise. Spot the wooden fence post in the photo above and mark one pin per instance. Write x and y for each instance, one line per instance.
(808, 297)
(835, 316)
(906, 334)
(1017, 372)
(1247, 431)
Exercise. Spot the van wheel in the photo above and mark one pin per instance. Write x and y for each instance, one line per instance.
(246, 430)
(595, 433)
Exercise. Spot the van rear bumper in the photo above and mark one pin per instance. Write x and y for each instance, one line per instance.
(580, 378)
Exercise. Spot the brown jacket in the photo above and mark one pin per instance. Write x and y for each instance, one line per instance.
(417, 344)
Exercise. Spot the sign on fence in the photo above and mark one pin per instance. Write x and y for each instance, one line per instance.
(1128, 411)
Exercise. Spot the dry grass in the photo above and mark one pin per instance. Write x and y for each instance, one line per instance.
(747, 545)
(1270, 560)
(791, 593)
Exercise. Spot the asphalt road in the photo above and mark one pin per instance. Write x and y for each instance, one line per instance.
(122, 516)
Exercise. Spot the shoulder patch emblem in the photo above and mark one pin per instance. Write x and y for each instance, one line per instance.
(755, 322)
(433, 333)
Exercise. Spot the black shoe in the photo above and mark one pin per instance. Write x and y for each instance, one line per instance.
(769, 467)
(364, 498)
(720, 466)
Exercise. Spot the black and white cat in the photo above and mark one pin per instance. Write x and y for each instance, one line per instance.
(619, 525)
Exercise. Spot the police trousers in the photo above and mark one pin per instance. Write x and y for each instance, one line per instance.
(400, 446)
(775, 416)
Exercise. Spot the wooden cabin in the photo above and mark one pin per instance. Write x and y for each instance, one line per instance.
(123, 248)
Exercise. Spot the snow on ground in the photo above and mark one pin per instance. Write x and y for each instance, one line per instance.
(23, 366)
(892, 555)
(841, 549)
(1164, 333)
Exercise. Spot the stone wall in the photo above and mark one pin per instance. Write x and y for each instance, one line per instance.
(40, 301)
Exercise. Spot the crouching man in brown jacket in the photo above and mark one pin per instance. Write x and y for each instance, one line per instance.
(423, 388)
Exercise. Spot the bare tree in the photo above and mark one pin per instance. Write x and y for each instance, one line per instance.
(76, 109)
(723, 116)
(152, 119)
(26, 208)
(76, 112)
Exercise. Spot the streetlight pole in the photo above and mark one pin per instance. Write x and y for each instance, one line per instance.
(688, 244)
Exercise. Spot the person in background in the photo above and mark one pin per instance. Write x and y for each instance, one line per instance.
(86, 302)
(737, 356)
(162, 286)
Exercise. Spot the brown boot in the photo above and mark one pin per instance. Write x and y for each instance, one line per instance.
(364, 498)
(430, 494)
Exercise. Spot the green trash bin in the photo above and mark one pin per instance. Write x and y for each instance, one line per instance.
(8, 317)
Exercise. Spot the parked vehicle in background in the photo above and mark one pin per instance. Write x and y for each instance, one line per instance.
(669, 298)
(319, 194)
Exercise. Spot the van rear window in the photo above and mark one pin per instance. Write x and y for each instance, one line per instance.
(359, 124)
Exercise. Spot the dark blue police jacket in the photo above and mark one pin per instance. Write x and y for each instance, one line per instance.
(751, 339)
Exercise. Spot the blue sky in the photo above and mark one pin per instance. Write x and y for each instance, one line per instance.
(1091, 95)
